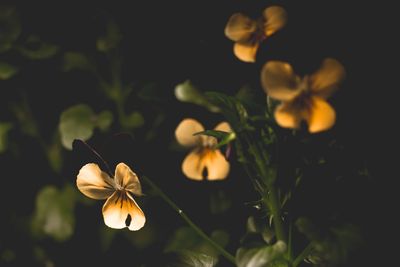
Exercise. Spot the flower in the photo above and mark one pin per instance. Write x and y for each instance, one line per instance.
(120, 209)
(303, 99)
(203, 162)
(249, 33)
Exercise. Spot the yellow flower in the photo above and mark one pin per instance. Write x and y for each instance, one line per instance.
(203, 162)
(249, 33)
(120, 209)
(303, 99)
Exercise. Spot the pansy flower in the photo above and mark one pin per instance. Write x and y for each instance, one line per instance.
(248, 33)
(120, 209)
(204, 161)
(303, 99)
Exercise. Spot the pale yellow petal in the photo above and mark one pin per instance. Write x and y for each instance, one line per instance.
(94, 183)
(223, 126)
(216, 164)
(279, 81)
(246, 51)
(127, 179)
(322, 116)
(240, 27)
(185, 130)
(326, 80)
(193, 165)
(121, 211)
(275, 18)
(288, 117)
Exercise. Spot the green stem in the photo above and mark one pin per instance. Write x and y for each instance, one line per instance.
(200, 232)
(307, 250)
(276, 213)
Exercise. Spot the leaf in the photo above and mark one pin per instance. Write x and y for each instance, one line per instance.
(7, 71)
(76, 61)
(264, 256)
(184, 259)
(111, 39)
(35, 48)
(223, 137)
(54, 212)
(79, 122)
(5, 128)
(187, 92)
(10, 27)
(219, 202)
(133, 120)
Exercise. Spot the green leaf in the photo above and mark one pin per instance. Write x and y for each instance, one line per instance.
(54, 212)
(76, 61)
(10, 27)
(7, 71)
(35, 48)
(186, 258)
(5, 128)
(264, 256)
(133, 120)
(111, 39)
(223, 137)
(79, 122)
(187, 92)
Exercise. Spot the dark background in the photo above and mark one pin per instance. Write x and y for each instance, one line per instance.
(167, 43)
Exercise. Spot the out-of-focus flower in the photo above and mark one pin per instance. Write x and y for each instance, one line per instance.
(248, 33)
(120, 209)
(303, 98)
(204, 161)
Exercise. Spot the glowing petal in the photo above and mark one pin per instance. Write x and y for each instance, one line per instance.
(279, 80)
(275, 18)
(246, 51)
(121, 211)
(193, 165)
(325, 81)
(127, 179)
(240, 28)
(94, 183)
(216, 164)
(185, 130)
(223, 126)
(288, 117)
(322, 116)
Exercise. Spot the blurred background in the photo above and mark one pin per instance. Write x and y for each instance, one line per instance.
(58, 62)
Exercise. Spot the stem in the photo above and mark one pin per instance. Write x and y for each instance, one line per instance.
(200, 232)
(307, 250)
(276, 213)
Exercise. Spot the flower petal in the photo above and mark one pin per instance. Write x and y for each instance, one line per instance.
(94, 183)
(193, 165)
(185, 130)
(325, 81)
(223, 126)
(275, 18)
(279, 80)
(127, 179)
(216, 164)
(121, 211)
(288, 117)
(240, 28)
(246, 51)
(322, 115)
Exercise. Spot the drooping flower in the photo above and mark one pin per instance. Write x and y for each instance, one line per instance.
(303, 98)
(120, 209)
(248, 33)
(204, 161)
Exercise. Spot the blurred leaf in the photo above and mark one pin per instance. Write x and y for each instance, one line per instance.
(76, 61)
(54, 155)
(258, 225)
(133, 120)
(35, 48)
(184, 259)
(111, 39)
(10, 27)
(107, 235)
(219, 202)
(187, 92)
(7, 71)
(5, 128)
(144, 238)
(79, 121)
(150, 92)
(54, 212)
(264, 256)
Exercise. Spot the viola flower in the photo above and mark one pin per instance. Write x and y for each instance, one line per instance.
(248, 33)
(303, 99)
(120, 209)
(204, 161)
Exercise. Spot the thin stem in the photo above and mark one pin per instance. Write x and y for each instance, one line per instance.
(276, 213)
(307, 250)
(200, 232)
